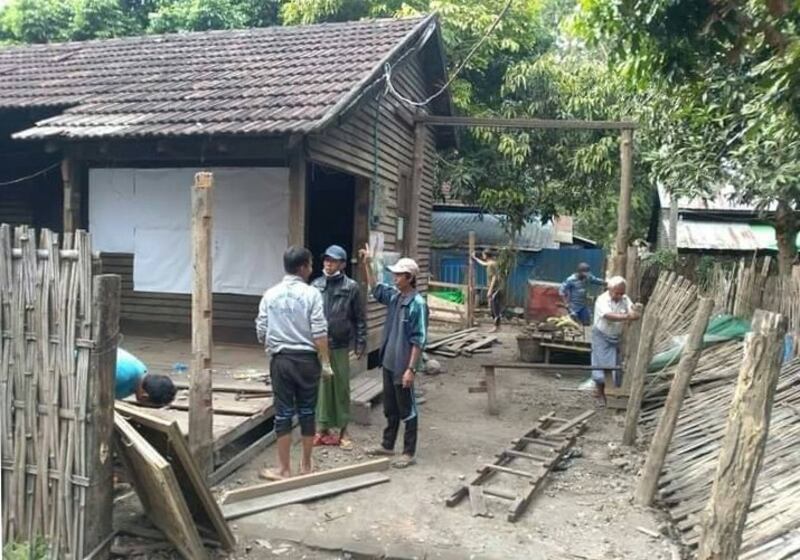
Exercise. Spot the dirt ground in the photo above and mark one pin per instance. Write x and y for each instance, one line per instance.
(584, 512)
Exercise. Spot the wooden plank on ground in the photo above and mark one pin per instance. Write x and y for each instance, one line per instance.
(154, 481)
(488, 341)
(477, 501)
(241, 458)
(223, 403)
(167, 439)
(268, 488)
(304, 494)
(230, 386)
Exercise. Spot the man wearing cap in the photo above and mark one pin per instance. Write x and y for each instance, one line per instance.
(344, 311)
(574, 293)
(404, 337)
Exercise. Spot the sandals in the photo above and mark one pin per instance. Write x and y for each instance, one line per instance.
(380, 451)
(346, 444)
(404, 461)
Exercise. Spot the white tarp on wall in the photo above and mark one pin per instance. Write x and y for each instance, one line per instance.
(147, 212)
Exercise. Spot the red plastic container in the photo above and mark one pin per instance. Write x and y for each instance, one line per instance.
(543, 301)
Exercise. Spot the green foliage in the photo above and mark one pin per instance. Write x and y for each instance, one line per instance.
(36, 21)
(196, 15)
(101, 19)
(25, 550)
(664, 259)
(728, 74)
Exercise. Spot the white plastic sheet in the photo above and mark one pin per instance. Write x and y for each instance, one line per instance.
(147, 212)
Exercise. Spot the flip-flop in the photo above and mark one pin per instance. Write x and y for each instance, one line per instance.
(269, 474)
(346, 444)
(330, 439)
(319, 439)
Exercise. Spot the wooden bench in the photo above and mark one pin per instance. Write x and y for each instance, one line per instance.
(488, 384)
(366, 391)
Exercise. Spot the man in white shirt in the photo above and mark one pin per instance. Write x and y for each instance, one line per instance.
(611, 311)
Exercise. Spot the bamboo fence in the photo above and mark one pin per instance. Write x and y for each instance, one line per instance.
(46, 344)
(773, 524)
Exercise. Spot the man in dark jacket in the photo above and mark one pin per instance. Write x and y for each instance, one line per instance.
(344, 311)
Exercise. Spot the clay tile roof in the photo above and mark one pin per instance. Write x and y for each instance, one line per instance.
(274, 80)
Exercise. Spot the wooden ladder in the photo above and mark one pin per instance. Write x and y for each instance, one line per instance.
(542, 447)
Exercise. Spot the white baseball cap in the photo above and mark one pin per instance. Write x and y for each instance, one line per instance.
(404, 265)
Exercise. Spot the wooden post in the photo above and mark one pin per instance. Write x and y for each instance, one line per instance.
(71, 205)
(624, 208)
(742, 448)
(673, 222)
(416, 188)
(201, 413)
(471, 281)
(644, 354)
(491, 388)
(297, 197)
(102, 372)
(659, 445)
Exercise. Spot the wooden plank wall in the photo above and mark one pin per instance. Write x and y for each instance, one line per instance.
(230, 310)
(350, 148)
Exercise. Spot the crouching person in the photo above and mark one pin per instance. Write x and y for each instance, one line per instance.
(291, 323)
(404, 337)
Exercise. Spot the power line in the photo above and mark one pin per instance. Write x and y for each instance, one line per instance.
(388, 68)
(31, 176)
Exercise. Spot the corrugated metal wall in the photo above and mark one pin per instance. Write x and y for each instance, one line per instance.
(548, 265)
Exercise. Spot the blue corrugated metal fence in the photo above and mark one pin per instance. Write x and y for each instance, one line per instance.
(548, 265)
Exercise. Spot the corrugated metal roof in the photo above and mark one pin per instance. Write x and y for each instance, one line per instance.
(725, 236)
(724, 199)
(259, 81)
(451, 229)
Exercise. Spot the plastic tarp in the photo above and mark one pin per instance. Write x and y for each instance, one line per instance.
(147, 212)
(454, 296)
(720, 329)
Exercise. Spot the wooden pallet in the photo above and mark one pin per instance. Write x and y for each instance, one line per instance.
(366, 391)
(543, 447)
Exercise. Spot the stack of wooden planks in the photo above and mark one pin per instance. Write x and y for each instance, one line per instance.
(541, 447)
(269, 495)
(772, 529)
(465, 342)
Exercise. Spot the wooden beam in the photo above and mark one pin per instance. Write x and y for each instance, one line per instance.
(102, 371)
(742, 449)
(267, 488)
(420, 135)
(303, 494)
(619, 259)
(241, 458)
(70, 179)
(437, 284)
(471, 281)
(297, 197)
(201, 412)
(499, 122)
(648, 484)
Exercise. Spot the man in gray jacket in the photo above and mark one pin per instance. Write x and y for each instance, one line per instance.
(347, 324)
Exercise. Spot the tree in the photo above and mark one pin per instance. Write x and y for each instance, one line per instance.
(733, 68)
(101, 19)
(36, 21)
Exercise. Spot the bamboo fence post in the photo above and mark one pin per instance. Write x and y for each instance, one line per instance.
(644, 354)
(742, 450)
(659, 444)
(471, 281)
(201, 414)
(102, 368)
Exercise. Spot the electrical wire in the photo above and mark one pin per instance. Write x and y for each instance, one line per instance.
(388, 67)
(31, 176)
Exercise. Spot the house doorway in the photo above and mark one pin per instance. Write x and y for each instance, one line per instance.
(331, 214)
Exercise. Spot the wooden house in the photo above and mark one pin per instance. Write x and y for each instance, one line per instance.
(307, 144)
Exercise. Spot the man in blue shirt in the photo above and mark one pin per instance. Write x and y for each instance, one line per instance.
(132, 378)
(574, 292)
(404, 337)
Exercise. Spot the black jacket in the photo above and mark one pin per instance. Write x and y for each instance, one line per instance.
(344, 311)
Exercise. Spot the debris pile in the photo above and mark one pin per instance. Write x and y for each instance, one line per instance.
(465, 342)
